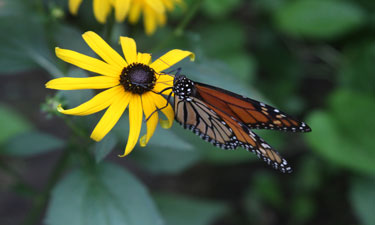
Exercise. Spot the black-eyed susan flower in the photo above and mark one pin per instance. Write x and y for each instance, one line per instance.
(154, 11)
(134, 81)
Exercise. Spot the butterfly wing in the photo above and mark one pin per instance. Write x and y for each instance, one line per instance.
(254, 114)
(221, 130)
(252, 142)
(196, 116)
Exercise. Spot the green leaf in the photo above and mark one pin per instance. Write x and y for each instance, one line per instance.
(356, 71)
(347, 142)
(12, 124)
(104, 147)
(322, 19)
(266, 186)
(183, 210)
(24, 47)
(31, 143)
(162, 155)
(110, 196)
(219, 8)
(362, 197)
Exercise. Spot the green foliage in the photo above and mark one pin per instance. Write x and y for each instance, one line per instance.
(12, 124)
(357, 69)
(362, 196)
(31, 143)
(163, 156)
(319, 19)
(311, 58)
(186, 210)
(336, 135)
(219, 8)
(107, 195)
(104, 147)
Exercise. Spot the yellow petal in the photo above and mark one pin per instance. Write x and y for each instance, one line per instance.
(74, 83)
(160, 103)
(87, 62)
(144, 58)
(100, 47)
(96, 104)
(129, 49)
(74, 6)
(149, 108)
(101, 10)
(170, 58)
(111, 116)
(135, 12)
(149, 20)
(121, 9)
(164, 81)
(162, 19)
(135, 123)
(156, 5)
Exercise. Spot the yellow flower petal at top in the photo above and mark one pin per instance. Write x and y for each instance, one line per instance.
(170, 58)
(102, 9)
(87, 62)
(74, 6)
(96, 104)
(150, 20)
(135, 124)
(128, 82)
(101, 48)
(129, 48)
(156, 5)
(121, 9)
(73, 83)
(111, 116)
(135, 12)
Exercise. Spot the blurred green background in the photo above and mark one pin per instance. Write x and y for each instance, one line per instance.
(311, 58)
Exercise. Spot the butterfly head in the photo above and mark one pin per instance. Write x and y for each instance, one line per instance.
(183, 87)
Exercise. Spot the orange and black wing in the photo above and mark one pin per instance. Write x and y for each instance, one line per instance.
(254, 114)
(218, 128)
(252, 142)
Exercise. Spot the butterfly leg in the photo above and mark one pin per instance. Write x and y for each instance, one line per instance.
(158, 109)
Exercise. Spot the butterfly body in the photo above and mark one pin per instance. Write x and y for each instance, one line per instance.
(225, 119)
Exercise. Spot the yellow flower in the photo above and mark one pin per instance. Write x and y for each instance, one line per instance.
(133, 81)
(154, 11)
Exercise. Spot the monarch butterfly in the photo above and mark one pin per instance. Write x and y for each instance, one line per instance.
(225, 119)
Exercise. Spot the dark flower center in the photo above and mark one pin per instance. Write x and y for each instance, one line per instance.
(138, 78)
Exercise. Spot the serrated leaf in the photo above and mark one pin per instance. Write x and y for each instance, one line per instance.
(12, 124)
(183, 210)
(362, 197)
(108, 195)
(31, 143)
(319, 19)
